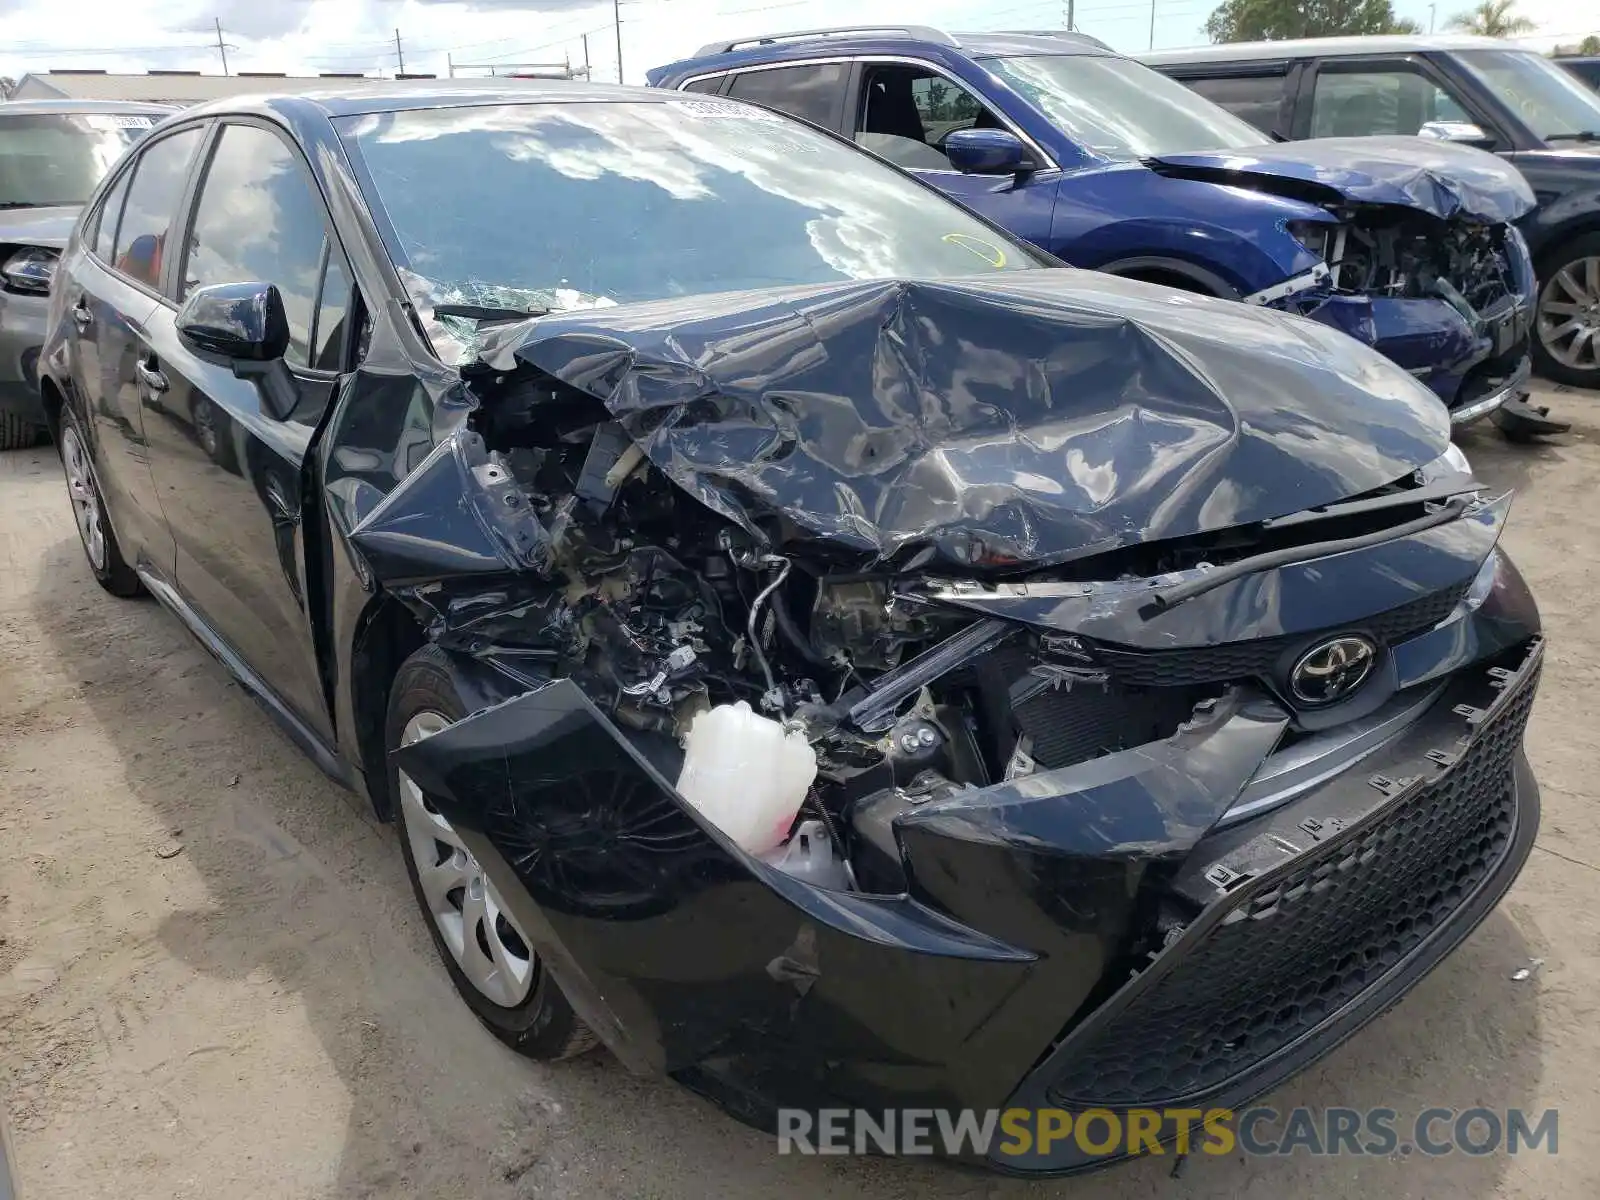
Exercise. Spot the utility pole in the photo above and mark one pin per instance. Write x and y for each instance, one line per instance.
(616, 16)
(399, 53)
(450, 62)
(1152, 45)
(1432, 8)
(1072, 23)
(222, 47)
(586, 56)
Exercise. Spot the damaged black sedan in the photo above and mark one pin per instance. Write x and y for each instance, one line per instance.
(805, 643)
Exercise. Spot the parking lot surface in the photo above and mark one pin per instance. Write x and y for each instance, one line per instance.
(213, 982)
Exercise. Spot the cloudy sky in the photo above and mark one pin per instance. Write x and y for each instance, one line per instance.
(311, 36)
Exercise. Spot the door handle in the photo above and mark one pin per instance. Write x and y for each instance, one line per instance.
(81, 313)
(150, 377)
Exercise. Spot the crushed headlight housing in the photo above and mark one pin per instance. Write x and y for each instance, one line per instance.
(29, 269)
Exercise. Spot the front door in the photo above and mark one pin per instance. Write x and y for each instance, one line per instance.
(230, 474)
(904, 113)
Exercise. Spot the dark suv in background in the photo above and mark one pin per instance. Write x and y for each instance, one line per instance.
(52, 154)
(1484, 92)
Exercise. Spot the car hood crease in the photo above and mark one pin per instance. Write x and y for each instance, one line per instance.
(1440, 178)
(1010, 419)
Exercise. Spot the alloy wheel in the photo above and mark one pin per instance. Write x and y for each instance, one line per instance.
(1569, 315)
(85, 499)
(480, 935)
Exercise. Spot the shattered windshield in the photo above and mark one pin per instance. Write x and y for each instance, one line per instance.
(1122, 109)
(550, 207)
(58, 158)
(1549, 100)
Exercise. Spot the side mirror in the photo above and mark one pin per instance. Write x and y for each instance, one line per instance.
(987, 152)
(242, 322)
(1464, 132)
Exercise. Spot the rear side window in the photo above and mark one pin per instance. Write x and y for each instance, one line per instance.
(811, 92)
(260, 220)
(158, 180)
(709, 84)
(1253, 98)
(110, 213)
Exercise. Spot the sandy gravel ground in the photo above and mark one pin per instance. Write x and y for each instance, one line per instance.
(261, 1015)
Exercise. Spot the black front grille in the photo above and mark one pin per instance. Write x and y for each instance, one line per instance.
(1247, 660)
(1300, 950)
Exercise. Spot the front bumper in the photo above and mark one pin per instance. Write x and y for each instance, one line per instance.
(1314, 920)
(23, 320)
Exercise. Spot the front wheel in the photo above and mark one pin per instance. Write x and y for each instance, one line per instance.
(487, 956)
(1566, 338)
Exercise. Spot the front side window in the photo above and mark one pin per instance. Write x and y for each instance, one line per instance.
(1386, 100)
(544, 206)
(260, 220)
(810, 92)
(1120, 109)
(59, 158)
(1553, 104)
(158, 181)
(907, 112)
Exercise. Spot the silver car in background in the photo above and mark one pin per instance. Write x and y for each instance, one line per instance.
(52, 154)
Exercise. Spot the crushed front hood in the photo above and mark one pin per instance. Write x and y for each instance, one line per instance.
(1440, 178)
(1014, 418)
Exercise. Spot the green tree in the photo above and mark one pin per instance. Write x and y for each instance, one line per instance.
(1493, 18)
(1590, 44)
(1273, 20)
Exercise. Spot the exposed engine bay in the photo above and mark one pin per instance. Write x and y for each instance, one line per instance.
(662, 611)
(1385, 250)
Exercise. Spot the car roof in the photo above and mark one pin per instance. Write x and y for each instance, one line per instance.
(771, 47)
(16, 107)
(1327, 47)
(400, 95)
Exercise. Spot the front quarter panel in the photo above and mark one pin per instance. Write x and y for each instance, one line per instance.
(1108, 214)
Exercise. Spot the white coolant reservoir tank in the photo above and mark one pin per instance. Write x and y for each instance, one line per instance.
(746, 774)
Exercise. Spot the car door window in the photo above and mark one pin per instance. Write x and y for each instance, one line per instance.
(158, 182)
(1254, 98)
(710, 83)
(907, 112)
(333, 309)
(1396, 99)
(110, 213)
(810, 92)
(260, 219)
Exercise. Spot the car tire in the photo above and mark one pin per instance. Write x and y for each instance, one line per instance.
(532, 1017)
(100, 548)
(17, 434)
(1560, 268)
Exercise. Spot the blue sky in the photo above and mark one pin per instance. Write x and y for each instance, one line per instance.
(309, 36)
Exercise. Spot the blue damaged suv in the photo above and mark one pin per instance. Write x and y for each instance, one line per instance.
(1405, 244)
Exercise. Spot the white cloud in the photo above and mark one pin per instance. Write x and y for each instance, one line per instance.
(310, 36)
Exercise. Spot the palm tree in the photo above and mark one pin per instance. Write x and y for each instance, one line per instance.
(1493, 18)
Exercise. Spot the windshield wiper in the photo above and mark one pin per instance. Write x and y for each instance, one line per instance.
(1582, 135)
(486, 314)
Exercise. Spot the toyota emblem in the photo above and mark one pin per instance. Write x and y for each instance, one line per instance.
(1332, 669)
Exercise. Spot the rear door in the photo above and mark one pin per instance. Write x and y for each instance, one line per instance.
(112, 298)
(231, 476)
(1261, 93)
